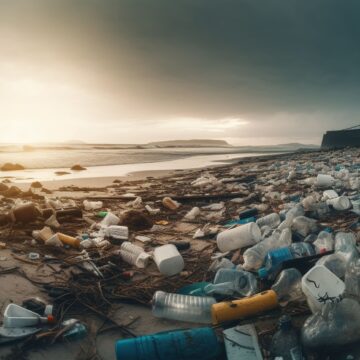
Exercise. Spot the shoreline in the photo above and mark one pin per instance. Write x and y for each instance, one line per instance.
(105, 175)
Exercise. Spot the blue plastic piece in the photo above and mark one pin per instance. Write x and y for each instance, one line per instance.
(199, 344)
(240, 221)
(273, 261)
(329, 230)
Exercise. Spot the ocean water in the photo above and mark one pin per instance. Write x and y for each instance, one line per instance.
(110, 161)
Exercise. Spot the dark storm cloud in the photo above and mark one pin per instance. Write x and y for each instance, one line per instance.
(200, 58)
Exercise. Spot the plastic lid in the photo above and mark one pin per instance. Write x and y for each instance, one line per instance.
(263, 273)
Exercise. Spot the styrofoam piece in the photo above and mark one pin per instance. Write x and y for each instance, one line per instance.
(16, 316)
(168, 260)
(241, 342)
(321, 286)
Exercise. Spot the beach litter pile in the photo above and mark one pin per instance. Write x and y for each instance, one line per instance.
(261, 255)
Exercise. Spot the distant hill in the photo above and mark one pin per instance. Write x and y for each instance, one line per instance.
(190, 143)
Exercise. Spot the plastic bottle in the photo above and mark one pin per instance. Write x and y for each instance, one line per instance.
(68, 240)
(272, 220)
(288, 286)
(239, 237)
(340, 203)
(171, 345)
(345, 245)
(254, 257)
(233, 282)
(352, 279)
(134, 255)
(78, 331)
(117, 232)
(304, 225)
(285, 341)
(110, 219)
(182, 307)
(324, 242)
(276, 257)
(222, 263)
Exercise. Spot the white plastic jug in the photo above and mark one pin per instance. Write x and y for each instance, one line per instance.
(239, 237)
(168, 260)
(321, 286)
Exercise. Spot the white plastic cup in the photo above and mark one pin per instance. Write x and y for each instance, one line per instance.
(239, 237)
(168, 260)
(324, 180)
(340, 203)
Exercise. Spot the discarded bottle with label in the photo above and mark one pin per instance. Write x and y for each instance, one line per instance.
(272, 220)
(285, 341)
(233, 282)
(288, 286)
(239, 237)
(276, 257)
(171, 345)
(254, 256)
(182, 307)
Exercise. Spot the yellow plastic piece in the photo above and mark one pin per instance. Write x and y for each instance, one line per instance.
(68, 240)
(238, 309)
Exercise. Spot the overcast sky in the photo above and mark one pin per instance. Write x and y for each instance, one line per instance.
(133, 71)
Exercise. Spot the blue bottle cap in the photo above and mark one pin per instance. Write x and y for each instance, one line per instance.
(263, 273)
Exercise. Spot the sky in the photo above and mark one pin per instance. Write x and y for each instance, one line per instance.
(134, 71)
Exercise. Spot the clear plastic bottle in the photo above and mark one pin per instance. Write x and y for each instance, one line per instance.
(288, 286)
(222, 263)
(324, 242)
(304, 225)
(233, 282)
(182, 307)
(254, 256)
(272, 220)
(352, 279)
(285, 341)
(345, 245)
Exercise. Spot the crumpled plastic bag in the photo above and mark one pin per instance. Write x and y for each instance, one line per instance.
(335, 325)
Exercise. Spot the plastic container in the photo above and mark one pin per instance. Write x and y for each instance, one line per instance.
(110, 219)
(276, 257)
(272, 220)
(324, 181)
(239, 237)
(304, 225)
(285, 341)
(168, 260)
(170, 204)
(233, 282)
(134, 255)
(321, 286)
(117, 232)
(335, 263)
(288, 286)
(200, 344)
(239, 309)
(182, 307)
(69, 240)
(352, 279)
(16, 316)
(92, 205)
(345, 245)
(255, 256)
(324, 242)
(340, 203)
